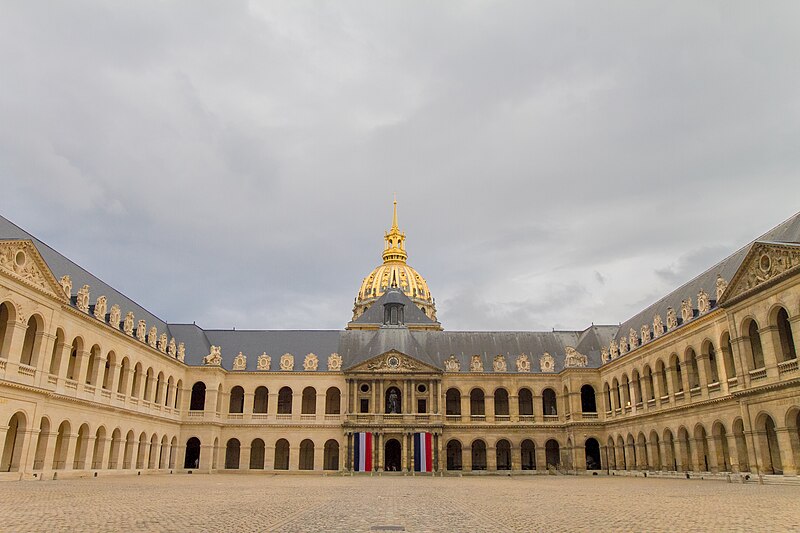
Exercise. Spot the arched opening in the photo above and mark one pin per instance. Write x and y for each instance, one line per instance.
(503, 454)
(393, 401)
(694, 369)
(501, 402)
(261, 400)
(333, 406)
(662, 377)
(153, 456)
(282, 455)
(592, 450)
(588, 400)
(741, 445)
(55, 356)
(309, 403)
(525, 402)
(164, 453)
(552, 453)
(148, 385)
(727, 356)
(236, 402)
(454, 457)
(232, 451)
(124, 370)
(173, 449)
(15, 440)
(636, 381)
(111, 361)
(711, 356)
(306, 455)
(72, 370)
(756, 351)
(392, 453)
(257, 448)
(178, 394)
(30, 345)
(330, 459)
(565, 397)
(192, 458)
(641, 452)
(99, 448)
(81, 445)
(625, 390)
(528, 455)
(768, 442)
(477, 405)
(453, 402)
(788, 349)
(158, 392)
(649, 384)
(622, 461)
(549, 402)
(478, 455)
(60, 452)
(684, 442)
(611, 453)
(285, 401)
(722, 449)
(677, 374)
(8, 314)
(114, 451)
(670, 459)
(607, 397)
(630, 453)
(655, 450)
(198, 399)
(41, 444)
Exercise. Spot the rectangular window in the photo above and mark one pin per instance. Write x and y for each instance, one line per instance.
(422, 405)
(365, 405)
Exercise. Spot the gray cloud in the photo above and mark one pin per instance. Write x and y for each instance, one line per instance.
(555, 164)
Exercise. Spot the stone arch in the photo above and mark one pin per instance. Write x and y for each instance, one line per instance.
(281, 455)
(32, 342)
(163, 453)
(607, 397)
(710, 361)
(478, 454)
(115, 449)
(169, 397)
(525, 400)
(685, 446)
(306, 455)
(663, 382)
(722, 448)
(232, 454)
(14, 442)
(236, 400)
(330, 460)
(477, 405)
(625, 387)
(8, 316)
(617, 395)
(552, 452)
(588, 400)
(591, 449)
(677, 373)
(622, 463)
(41, 444)
(727, 355)
(173, 448)
(149, 377)
(792, 424)
(111, 362)
(768, 444)
(565, 399)
(333, 406)
(152, 462)
(786, 348)
(655, 451)
(257, 454)
(60, 453)
(214, 450)
(192, 457)
(636, 382)
(124, 370)
(753, 347)
(641, 452)
(549, 405)
(631, 456)
(454, 455)
(501, 402)
(741, 445)
(197, 401)
(692, 367)
(99, 448)
(81, 448)
(55, 355)
(670, 458)
(159, 388)
(131, 446)
(142, 447)
(309, 403)
(503, 454)
(527, 450)
(261, 400)
(136, 381)
(649, 383)
(177, 401)
(72, 365)
(611, 453)
(452, 402)
(285, 401)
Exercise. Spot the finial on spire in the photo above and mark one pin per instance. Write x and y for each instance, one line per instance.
(394, 249)
(394, 214)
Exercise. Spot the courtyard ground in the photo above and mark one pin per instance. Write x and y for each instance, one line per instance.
(231, 502)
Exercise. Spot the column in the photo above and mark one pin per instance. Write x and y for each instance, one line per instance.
(733, 452)
(438, 445)
(769, 334)
(666, 461)
(249, 399)
(206, 457)
(541, 458)
(81, 359)
(64, 349)
(50, 448)
(704, 373)
(320, 407)
(491, 458)
(378, 443)
(113, 371)
(489, 409)
(513, 407)
(17, 332)
(272, 404)
(785, 448)
(466, 456)
(244, 457)
(713, 453)
(29, 452)
(319, 457)
(465, 408)
(69, 441)
(297, 405)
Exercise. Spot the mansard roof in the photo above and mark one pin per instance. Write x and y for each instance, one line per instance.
(373, 316)
(785, 232)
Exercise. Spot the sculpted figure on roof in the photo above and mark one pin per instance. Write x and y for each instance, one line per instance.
(499, 364)
(658, 326)
(127, 326)
(613, 349)
(141, 331)
(703, 302)
(645, 333)
(114, 316)
(475, 364)
(633, 339)
(152, 337)
(623, 345)
(334, 362)
(162, 343)
(181, 352)
(721, 286)
(672, 319)
(100, 308)
(82, 300)
(574, 359)
(604, 355)
(451, 364)
(66, 285)
(687, 312)
(172, 348)
(523, 363)
(240, 362)
(214, 357)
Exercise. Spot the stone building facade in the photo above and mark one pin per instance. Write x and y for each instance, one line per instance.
(703, 382)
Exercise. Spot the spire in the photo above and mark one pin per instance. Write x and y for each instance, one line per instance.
(395, 241)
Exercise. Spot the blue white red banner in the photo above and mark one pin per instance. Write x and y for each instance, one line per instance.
(362, 452)
(423, 452)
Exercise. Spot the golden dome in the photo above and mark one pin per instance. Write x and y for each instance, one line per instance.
(394, 272)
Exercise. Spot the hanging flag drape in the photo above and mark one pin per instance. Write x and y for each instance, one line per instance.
(423, 452)
(362, 452)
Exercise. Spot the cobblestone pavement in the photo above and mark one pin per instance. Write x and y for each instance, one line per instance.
(246, 502)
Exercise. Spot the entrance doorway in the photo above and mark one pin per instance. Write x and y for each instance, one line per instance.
(392, 453)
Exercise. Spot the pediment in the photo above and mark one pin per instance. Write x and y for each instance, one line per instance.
(393, 362)
(20, 260)
(765, 264)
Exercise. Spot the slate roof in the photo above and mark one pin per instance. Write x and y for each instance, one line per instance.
(413, 314)
(785, 232)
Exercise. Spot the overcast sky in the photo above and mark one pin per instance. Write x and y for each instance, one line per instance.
(555, 164)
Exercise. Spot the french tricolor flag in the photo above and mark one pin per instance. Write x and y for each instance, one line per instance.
(362, 452)
(423, 452)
